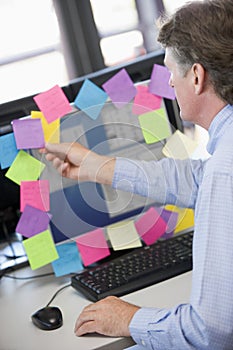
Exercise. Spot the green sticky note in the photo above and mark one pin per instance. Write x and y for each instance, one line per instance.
(40, 249)
(154, 125)
(24, 168)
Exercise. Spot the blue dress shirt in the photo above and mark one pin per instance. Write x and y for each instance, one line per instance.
(206, 322)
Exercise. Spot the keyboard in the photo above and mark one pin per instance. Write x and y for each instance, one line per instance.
(137, 269)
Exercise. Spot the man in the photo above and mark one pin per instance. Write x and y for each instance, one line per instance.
(198, 40)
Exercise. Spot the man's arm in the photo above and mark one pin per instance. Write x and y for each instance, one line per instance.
(74, 161)
(167, 181)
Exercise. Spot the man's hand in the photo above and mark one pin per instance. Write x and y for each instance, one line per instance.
(110, 316)
(74, 161)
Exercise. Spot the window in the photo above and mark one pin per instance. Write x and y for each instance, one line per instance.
(30, 60)
(120, 25)
(171, 6)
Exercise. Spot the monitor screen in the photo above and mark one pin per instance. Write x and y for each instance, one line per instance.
(80, 208)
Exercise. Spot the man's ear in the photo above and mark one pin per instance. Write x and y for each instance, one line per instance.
(199, 76)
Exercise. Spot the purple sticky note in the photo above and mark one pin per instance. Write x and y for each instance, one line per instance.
(92, 246)
(145, 102)
(159, 82)
(28, 133)
(170, 217)
(32, 221)
(150, 226)
(53, 103)
(120, 88)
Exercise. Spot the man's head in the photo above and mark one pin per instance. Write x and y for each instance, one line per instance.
(201, 33)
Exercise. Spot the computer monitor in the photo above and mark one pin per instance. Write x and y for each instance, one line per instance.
(79, 208)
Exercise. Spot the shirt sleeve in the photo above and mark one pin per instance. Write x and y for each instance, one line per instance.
(166, 328)
(206, 321)
(167, 181)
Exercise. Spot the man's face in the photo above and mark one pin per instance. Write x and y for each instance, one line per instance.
(183, 87)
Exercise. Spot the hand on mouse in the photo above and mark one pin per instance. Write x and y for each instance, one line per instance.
(110, 316)
(74, 161)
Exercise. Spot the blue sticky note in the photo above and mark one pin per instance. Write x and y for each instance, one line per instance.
(90, 99)
(8, 150)
(69, 260)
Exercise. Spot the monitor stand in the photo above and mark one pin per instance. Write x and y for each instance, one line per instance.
(12, 254)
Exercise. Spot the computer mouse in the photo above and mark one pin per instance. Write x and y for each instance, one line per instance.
(48, 318)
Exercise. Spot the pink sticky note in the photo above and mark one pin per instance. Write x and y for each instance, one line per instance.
(150, 226)
(159, 83)
(28, 133)
(120, 88)
(35, 193)
(53, 103)
(92, 246)
(145, 102)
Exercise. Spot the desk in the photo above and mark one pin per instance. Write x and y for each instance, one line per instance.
(19, 299)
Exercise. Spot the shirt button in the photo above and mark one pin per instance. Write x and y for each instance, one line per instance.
(143, 343)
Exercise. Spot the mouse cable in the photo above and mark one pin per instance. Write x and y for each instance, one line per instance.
(57, 292)
(26, 277)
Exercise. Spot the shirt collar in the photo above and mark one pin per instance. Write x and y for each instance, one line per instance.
(218, 126)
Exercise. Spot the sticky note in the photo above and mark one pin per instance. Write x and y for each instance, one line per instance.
(32, 221)
(123, 235)
(51, 131)
(150, 226)
(8, 150)
(159, 82)
(40, 249)
(185, 217)
(69, 260)
(35, 193)
(90, 99)
(154, 125)
(92, 246)
(53, 103)
(28, 133)
(145, 102)
(170, 217)
(120, 88)
(179, 146)
(24, 168)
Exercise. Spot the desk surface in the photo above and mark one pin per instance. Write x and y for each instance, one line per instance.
(19, 299)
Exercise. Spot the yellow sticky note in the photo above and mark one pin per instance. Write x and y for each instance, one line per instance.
(24, 168)
(51, 131)
(40, 249)
(179, 146)
(123, 235)
(155, 126)
(185, 217)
